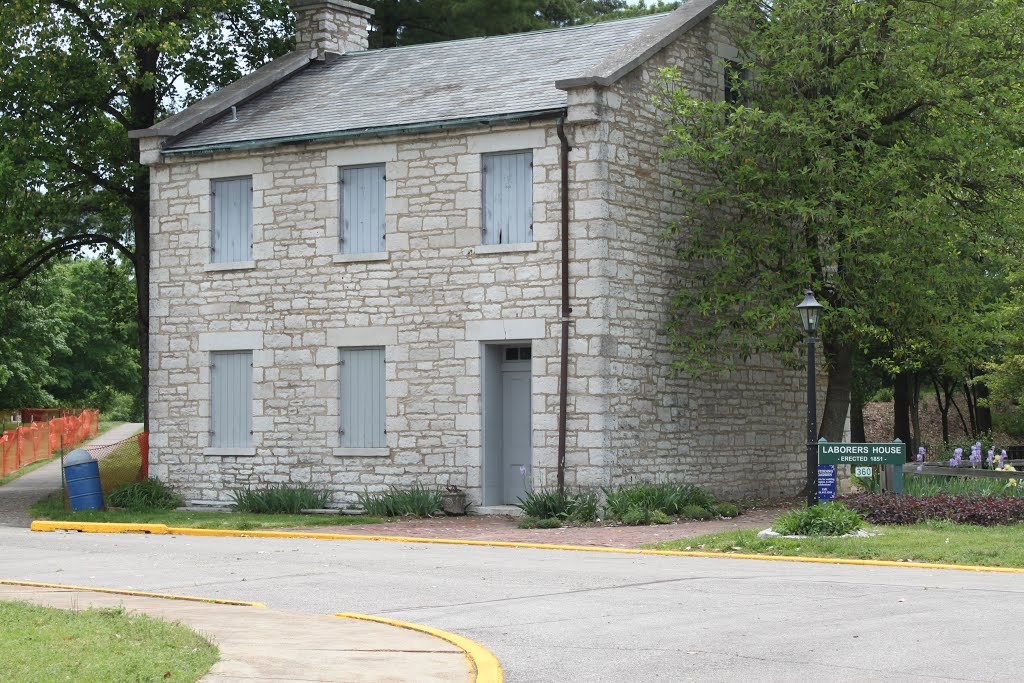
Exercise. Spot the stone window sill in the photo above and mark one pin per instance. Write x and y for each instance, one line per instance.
(362, 258)
(234, 265)
(227, 452)
(361, 452)
(505, 248)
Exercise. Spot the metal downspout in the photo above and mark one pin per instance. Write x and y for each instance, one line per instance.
(563, 378)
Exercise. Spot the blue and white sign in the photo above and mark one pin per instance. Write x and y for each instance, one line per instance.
(826, 482)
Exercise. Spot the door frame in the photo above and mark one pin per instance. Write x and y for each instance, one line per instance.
(492, 467)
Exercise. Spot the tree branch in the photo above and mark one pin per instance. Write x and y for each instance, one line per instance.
(64, 245)
(100, 180)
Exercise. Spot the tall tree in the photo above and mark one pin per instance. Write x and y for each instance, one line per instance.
(874, 155)
(77, 75)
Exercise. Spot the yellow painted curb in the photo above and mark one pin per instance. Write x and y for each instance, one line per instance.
(99, 527)
(143, 594)
(486, 666)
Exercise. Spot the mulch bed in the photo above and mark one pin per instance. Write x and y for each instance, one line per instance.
(503, 529)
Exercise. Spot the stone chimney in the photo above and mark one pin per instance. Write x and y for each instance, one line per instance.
(334, 26)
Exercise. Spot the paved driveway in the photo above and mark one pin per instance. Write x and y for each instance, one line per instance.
(570, 616)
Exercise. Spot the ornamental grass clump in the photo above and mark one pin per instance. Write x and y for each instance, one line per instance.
(417, 501)
(280, 499)
(144, 496)
(669, 499)
(828, 519)
(579, 507)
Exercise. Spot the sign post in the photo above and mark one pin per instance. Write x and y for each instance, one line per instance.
(892, 455)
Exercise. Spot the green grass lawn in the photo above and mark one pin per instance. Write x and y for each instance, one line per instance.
(937, 542)
(52, 508)
(46, 644)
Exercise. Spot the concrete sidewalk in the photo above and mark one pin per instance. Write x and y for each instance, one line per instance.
(269, 645)
(17, 496)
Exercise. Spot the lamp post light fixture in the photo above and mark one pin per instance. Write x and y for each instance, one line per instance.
(810, 311)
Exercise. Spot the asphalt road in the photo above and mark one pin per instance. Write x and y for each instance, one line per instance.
(570, 616)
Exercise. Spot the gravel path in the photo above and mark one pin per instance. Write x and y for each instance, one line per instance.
(17, 496)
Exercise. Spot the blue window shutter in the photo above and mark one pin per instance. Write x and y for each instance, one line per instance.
(232, 220)
(362, 209)
(231, 399)
(362, 398)
(508, 197)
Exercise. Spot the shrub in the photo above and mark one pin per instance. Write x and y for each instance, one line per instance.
(726, 510)
(280, 499)
(638, 516)
(829, 519)
(143, 496)
(695, 512)
(534, 523)
(980, 510)
(670, 499)
(418, 501)
(579, 506)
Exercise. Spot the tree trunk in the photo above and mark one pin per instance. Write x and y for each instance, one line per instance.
(960, 414)
(915, 414)
(971, 415)
(140, 217)
(984, 412)
(839, 364)
(943, 398)
(901, 410)
(857, 434)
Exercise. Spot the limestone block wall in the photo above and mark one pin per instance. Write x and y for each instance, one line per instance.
(431, 300)
(739, 433)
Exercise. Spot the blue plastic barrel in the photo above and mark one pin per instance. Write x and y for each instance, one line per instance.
(82, 476)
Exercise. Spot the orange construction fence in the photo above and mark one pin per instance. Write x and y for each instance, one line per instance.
(38, 441)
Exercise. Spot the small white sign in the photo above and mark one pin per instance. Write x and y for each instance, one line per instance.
(862, 471)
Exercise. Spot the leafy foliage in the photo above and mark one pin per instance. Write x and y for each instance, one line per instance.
(280, 499)
(534, 523)
(875, 157)
(924, 485)
(696, 512)
(417, 501)
(829, 519)
(579, 506)
(726, 510)
(670, 499)
(980, 510)
(144, 496)
(641, 516)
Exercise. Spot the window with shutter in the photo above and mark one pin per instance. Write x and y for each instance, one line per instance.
(232, 220)
(362, 209)
(362, 398)
(231, 399)
(508, 197)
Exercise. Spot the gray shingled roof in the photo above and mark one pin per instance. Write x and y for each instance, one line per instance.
(438, 82)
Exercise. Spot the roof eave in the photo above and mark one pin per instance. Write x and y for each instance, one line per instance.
(236, 93)
(377, 131)
(645, 46)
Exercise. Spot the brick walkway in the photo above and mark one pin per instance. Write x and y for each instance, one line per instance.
(500, 528)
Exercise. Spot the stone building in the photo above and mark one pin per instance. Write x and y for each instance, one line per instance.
(357, 273)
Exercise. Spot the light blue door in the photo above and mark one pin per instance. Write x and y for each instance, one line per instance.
(516, 431)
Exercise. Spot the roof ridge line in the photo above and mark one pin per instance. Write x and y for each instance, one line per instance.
(456, 41)
(642, 48)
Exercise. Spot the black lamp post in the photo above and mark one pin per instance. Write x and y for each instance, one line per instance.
(810, 310)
